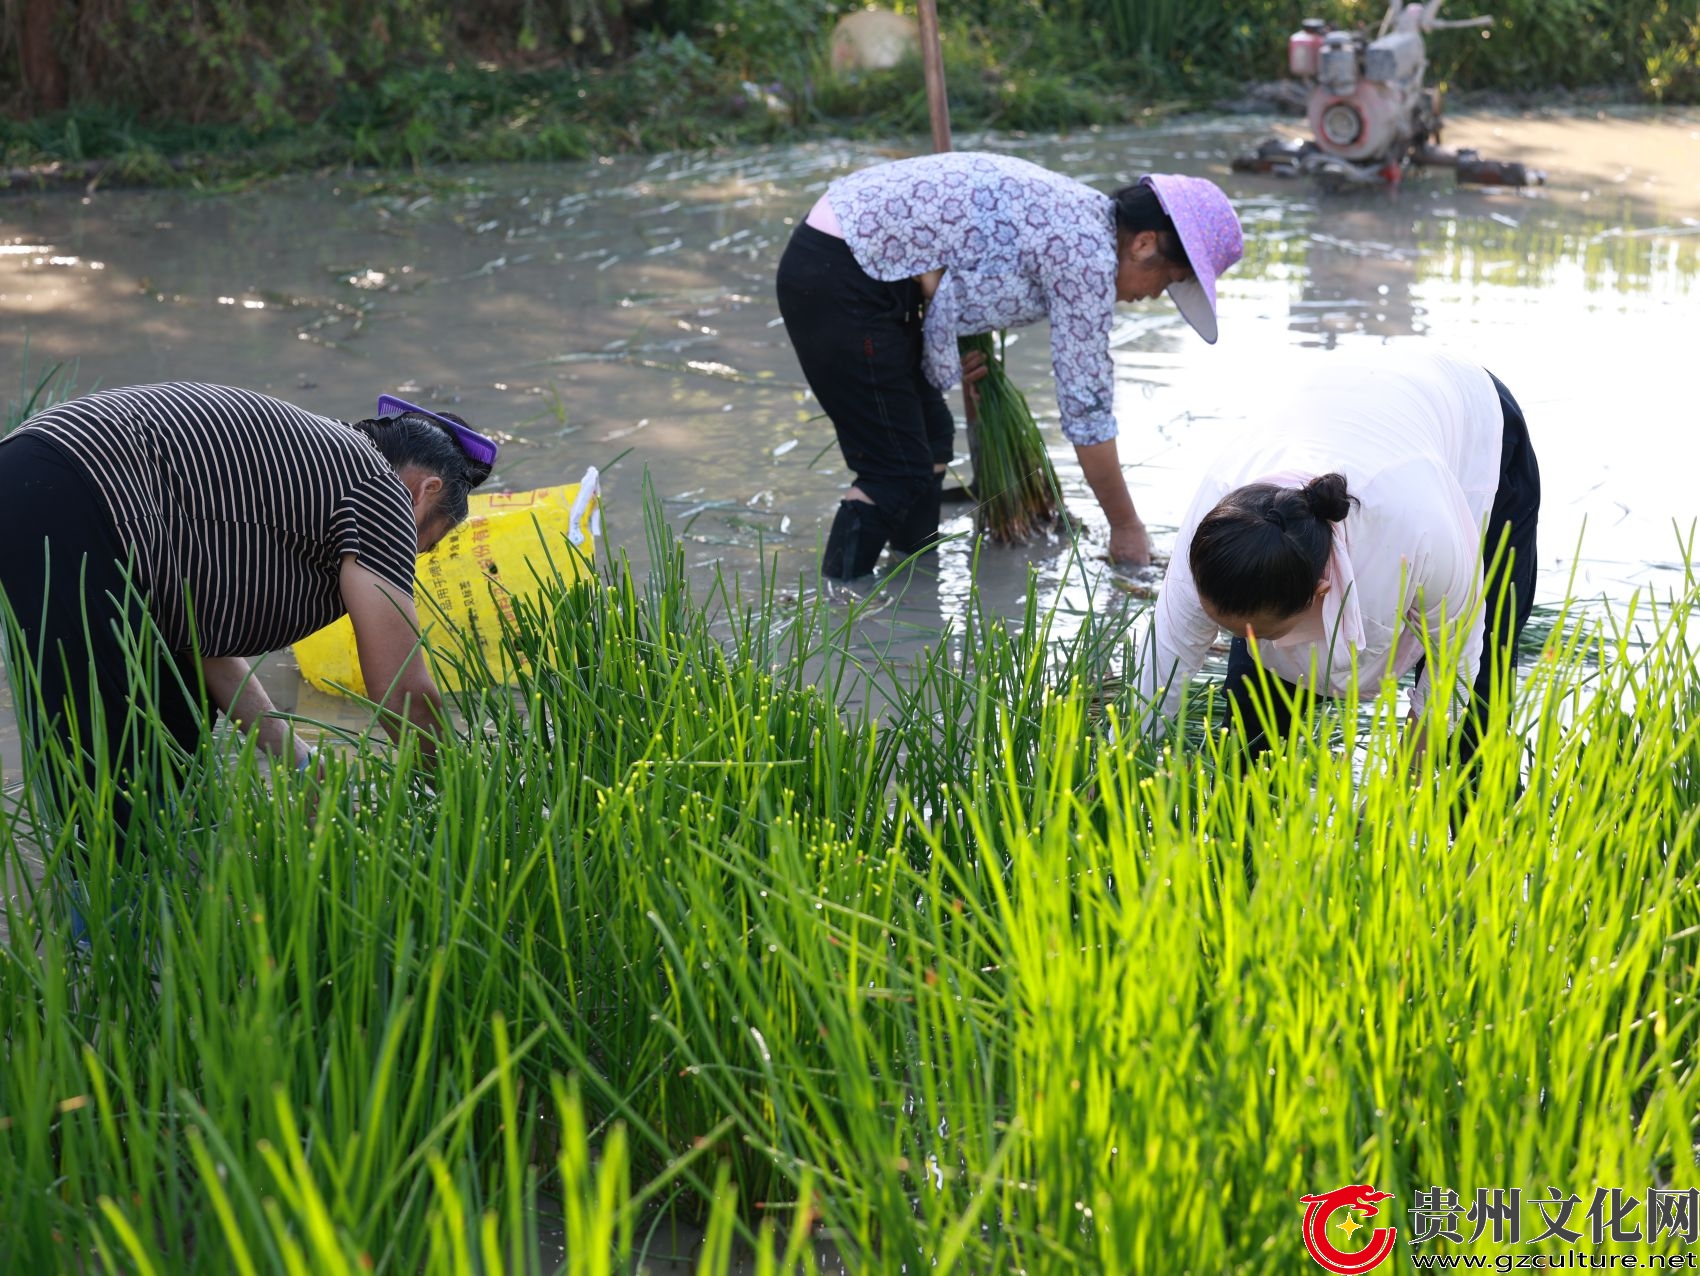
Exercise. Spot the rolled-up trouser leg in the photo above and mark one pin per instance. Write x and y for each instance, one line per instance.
(919, 529)
(853, 545)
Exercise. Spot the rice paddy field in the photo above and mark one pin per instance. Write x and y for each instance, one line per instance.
(758, 928)
(975, 983)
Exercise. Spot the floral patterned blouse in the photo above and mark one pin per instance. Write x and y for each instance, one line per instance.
(1017, 243)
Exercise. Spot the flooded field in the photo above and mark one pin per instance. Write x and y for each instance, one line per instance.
(620, 314)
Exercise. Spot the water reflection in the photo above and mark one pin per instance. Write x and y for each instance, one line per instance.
(621, 312)
(1374, 268)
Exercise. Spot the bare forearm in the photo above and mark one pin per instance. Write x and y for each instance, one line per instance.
(419, 710)
(386, 631)
(1129, 543)
(1101, 465)
(236, 689)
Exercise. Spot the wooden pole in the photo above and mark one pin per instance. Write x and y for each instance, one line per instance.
(43, 73)
(938, 110)
(932, 65)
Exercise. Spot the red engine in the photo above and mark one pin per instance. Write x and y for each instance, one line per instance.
(1368, 107)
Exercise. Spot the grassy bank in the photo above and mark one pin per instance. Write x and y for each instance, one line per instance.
(146, 96)
(980, 985)
(669, 95)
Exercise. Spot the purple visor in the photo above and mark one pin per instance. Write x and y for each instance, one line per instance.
(478, 447)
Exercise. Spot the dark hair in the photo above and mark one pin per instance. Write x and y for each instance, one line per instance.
(1137, 209)
(1263, 549)
(415, 439)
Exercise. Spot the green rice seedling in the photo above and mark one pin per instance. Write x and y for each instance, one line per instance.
(292, 1018)
(283, 1221)
(37, 392)
(667, 739)
(1085, 973)
(982, 980)
(1016, 492)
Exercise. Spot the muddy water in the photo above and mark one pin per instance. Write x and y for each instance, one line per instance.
(620, 314)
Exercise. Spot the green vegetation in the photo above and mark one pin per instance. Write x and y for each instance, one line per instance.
(184, 92)
(1016, 493)
(978, 983)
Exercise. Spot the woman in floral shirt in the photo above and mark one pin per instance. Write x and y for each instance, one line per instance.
(897, 261)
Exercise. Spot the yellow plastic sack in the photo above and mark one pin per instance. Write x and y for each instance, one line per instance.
(472, 577)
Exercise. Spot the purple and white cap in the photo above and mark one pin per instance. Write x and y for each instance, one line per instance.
(479, 448)
(1210, 233)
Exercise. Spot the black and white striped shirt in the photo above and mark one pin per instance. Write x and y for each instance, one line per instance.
(238, 508)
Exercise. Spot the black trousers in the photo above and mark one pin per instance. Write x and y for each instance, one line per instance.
(859, 343)
(85, 658)
(1262, 703)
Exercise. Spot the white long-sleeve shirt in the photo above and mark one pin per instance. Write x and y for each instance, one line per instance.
(1417, 435)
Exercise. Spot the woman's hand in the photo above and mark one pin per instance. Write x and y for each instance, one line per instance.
(975, 367)
(235, 688)
(1130, 545)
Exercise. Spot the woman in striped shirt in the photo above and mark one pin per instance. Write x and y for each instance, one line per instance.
(157, 538)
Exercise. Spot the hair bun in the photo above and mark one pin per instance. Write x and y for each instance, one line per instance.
(1327, 497)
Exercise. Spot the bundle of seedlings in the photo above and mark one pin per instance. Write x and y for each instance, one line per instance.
(1015, 488)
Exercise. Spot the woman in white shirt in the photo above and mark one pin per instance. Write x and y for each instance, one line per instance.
(1346, 527)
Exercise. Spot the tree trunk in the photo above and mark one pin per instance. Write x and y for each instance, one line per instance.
(44, 74)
